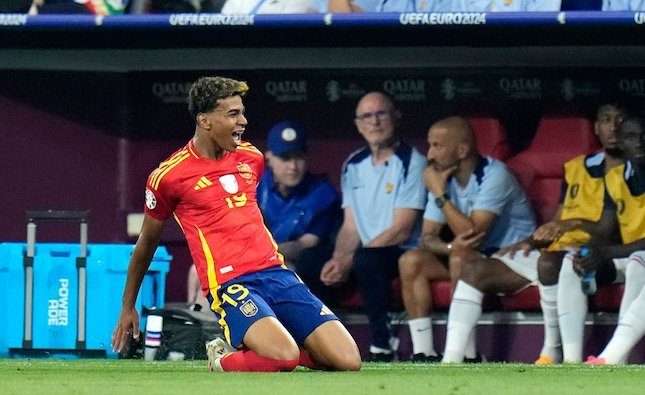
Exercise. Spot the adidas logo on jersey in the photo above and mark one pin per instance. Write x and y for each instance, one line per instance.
(202, 183)
(325, 311)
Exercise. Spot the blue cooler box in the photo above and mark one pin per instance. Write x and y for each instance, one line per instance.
(55, 295)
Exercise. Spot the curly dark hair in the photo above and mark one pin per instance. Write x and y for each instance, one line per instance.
(206, 91)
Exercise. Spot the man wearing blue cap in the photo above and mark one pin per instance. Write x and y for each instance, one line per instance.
(300, 209)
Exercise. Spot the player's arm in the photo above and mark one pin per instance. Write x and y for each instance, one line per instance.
(478, 222)
(336, 270)
(621, 250)
(402, 226)
(139, 262)
(601, 231)
(436, 181)
(347, 240)
(292, 249)
(430, 239)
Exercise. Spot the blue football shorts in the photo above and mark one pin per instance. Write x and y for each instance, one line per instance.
(275, 292)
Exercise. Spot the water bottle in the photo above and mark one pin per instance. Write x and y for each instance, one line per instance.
(588, 280)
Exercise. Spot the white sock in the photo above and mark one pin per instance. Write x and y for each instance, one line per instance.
(465, 310)
(634, 282)
(471, 347)
(628, 332)
(421, 335)
(631, 326)
(572, 311)
(549, 304)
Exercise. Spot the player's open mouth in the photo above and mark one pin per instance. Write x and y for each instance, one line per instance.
(237, 136)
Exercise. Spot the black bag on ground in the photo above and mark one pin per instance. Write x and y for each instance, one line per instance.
(185, 331)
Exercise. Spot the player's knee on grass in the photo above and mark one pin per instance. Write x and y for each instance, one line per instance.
(348, 362)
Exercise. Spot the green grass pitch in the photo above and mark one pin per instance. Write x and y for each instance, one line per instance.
(37, 376)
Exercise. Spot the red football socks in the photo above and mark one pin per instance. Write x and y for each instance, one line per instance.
(249, 361)
(306, 361)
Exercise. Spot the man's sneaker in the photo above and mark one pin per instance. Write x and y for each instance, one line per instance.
(544, 360)
(216, 349)
(422, 358)
(380, 357)
(593, 360)
(478, 359)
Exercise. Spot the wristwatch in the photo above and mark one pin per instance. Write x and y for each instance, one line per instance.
(440, 201)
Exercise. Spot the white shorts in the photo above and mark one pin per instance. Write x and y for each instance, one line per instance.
(525, 266)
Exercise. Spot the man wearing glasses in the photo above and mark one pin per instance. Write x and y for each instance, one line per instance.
(382, 201)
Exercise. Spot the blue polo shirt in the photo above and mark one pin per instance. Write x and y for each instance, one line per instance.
(374, 191)
(311, 207)
(491, 188)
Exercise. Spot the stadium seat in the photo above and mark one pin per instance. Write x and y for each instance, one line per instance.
(441, 295)
(607, 298)
(350, 299)
(527, 299)
(539, 167)
(491, 137)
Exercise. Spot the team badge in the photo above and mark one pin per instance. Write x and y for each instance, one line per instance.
(389, 187)
(289, 134)
(245, 171)
(248, 308)
(229, 183)
(574, 191)
(151, 200)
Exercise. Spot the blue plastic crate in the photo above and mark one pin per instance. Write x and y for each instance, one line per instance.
(55, 294)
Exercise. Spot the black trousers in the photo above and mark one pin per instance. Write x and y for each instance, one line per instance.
(375, 268)
(308, 267)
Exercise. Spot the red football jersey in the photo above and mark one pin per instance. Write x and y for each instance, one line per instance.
(214, 202)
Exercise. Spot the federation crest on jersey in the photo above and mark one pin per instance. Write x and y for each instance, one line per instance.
(229, 183)
(245, 171)
(248, 308)
(151, 200)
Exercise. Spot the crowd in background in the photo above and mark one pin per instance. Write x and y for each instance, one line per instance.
(118, 7)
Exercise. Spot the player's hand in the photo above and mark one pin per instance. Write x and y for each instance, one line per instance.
(127, 326)
(436, 179)
(334, 272)
(548, 232)
(591, 262)
(521, 246)
(468, 240)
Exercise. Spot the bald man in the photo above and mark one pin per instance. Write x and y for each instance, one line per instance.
(383, 198)
(481, 203)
